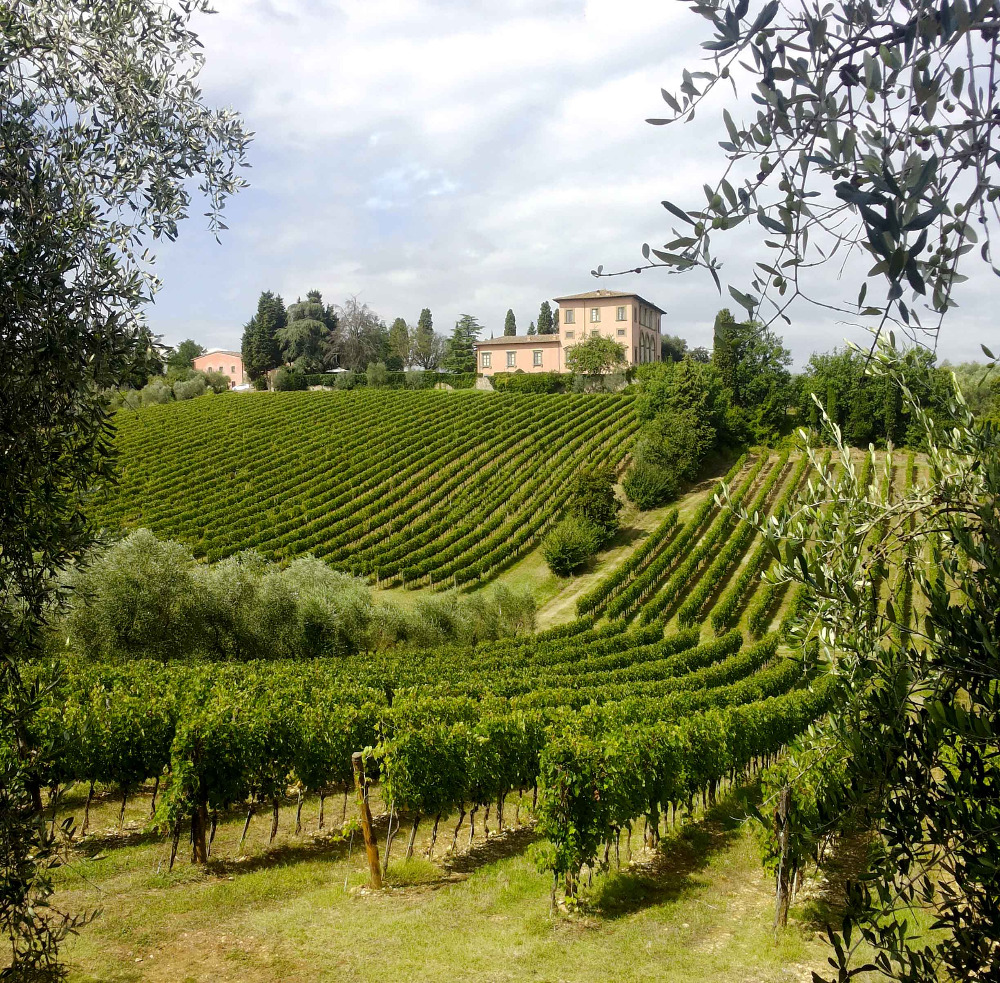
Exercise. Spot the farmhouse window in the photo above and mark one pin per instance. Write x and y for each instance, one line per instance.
(537, 357)
(595, 315)
(487, 360)
(621, 332)
(621, 313)
(571, 316)
(570, 334)
(511, 359)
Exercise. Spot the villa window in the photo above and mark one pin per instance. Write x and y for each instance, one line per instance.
(595, 333)
(595, 315)
(536, 358)
(511, 359)
(570, 319)
(232, 369)
(487, 360)
(570, 334)
(621, 313)
(621, 332)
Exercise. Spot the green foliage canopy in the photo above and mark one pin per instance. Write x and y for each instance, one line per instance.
(595, 356)
(460, 355)
(873, 129)
(103, 137)
(260, 349)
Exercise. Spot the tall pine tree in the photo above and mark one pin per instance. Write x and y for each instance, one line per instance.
(461, 355)
(260, 345)
(509, 324)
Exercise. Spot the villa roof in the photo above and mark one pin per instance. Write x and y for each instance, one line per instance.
(607, 295)
(219, 351)
(518, 339)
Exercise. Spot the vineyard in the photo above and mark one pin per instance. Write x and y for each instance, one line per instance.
(674, 680)
(413, 488)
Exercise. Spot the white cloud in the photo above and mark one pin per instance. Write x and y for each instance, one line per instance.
(468, 157)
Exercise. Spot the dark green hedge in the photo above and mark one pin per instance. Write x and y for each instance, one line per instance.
(533, 382)
(394, 380)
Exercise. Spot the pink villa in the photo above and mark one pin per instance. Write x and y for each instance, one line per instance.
(627, 318)
(219, 360)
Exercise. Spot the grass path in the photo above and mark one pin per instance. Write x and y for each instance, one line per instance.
(699, 909)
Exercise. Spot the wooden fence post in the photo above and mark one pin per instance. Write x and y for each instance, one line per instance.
(374, 864)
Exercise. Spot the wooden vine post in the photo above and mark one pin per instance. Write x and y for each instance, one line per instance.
(374, 864)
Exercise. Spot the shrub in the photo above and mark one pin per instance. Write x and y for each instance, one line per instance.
(190, 388)
(349, 380)
(218, 382)
(522, 382)
(376, 374)
(570, 544)
(669, 454)
(593, 498)
(156, 392)
(289, 380)
(648, 483)
(415, 378)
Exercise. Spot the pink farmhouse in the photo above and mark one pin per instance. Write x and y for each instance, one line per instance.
(627, 318)
(219, 360)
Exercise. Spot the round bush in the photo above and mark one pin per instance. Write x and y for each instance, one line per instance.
(190, 388)
(648, 484)
(568, 547)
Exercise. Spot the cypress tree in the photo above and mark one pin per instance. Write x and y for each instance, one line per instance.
(724, 357)
(545, 323)
(399, 340)
(892, 407)
(509, 324)
(832, 407)
(423, 339)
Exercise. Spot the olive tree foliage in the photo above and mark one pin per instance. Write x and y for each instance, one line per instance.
(874, 131)
(145, 597)
(103, 139)
(915, 731)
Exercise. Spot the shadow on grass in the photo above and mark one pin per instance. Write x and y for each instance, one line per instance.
(111, 839)
(500, 846)
(846, 862)
(672, 870)
(282, 856)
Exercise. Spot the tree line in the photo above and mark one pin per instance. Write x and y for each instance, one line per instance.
(310, 337)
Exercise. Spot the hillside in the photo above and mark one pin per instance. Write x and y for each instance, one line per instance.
(625, 744)
(402, 487)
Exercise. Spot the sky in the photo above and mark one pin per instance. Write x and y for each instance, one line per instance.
(470, 157)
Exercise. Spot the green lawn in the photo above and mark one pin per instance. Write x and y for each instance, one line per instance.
(699, 909)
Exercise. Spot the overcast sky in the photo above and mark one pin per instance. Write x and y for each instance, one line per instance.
(467, 157)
